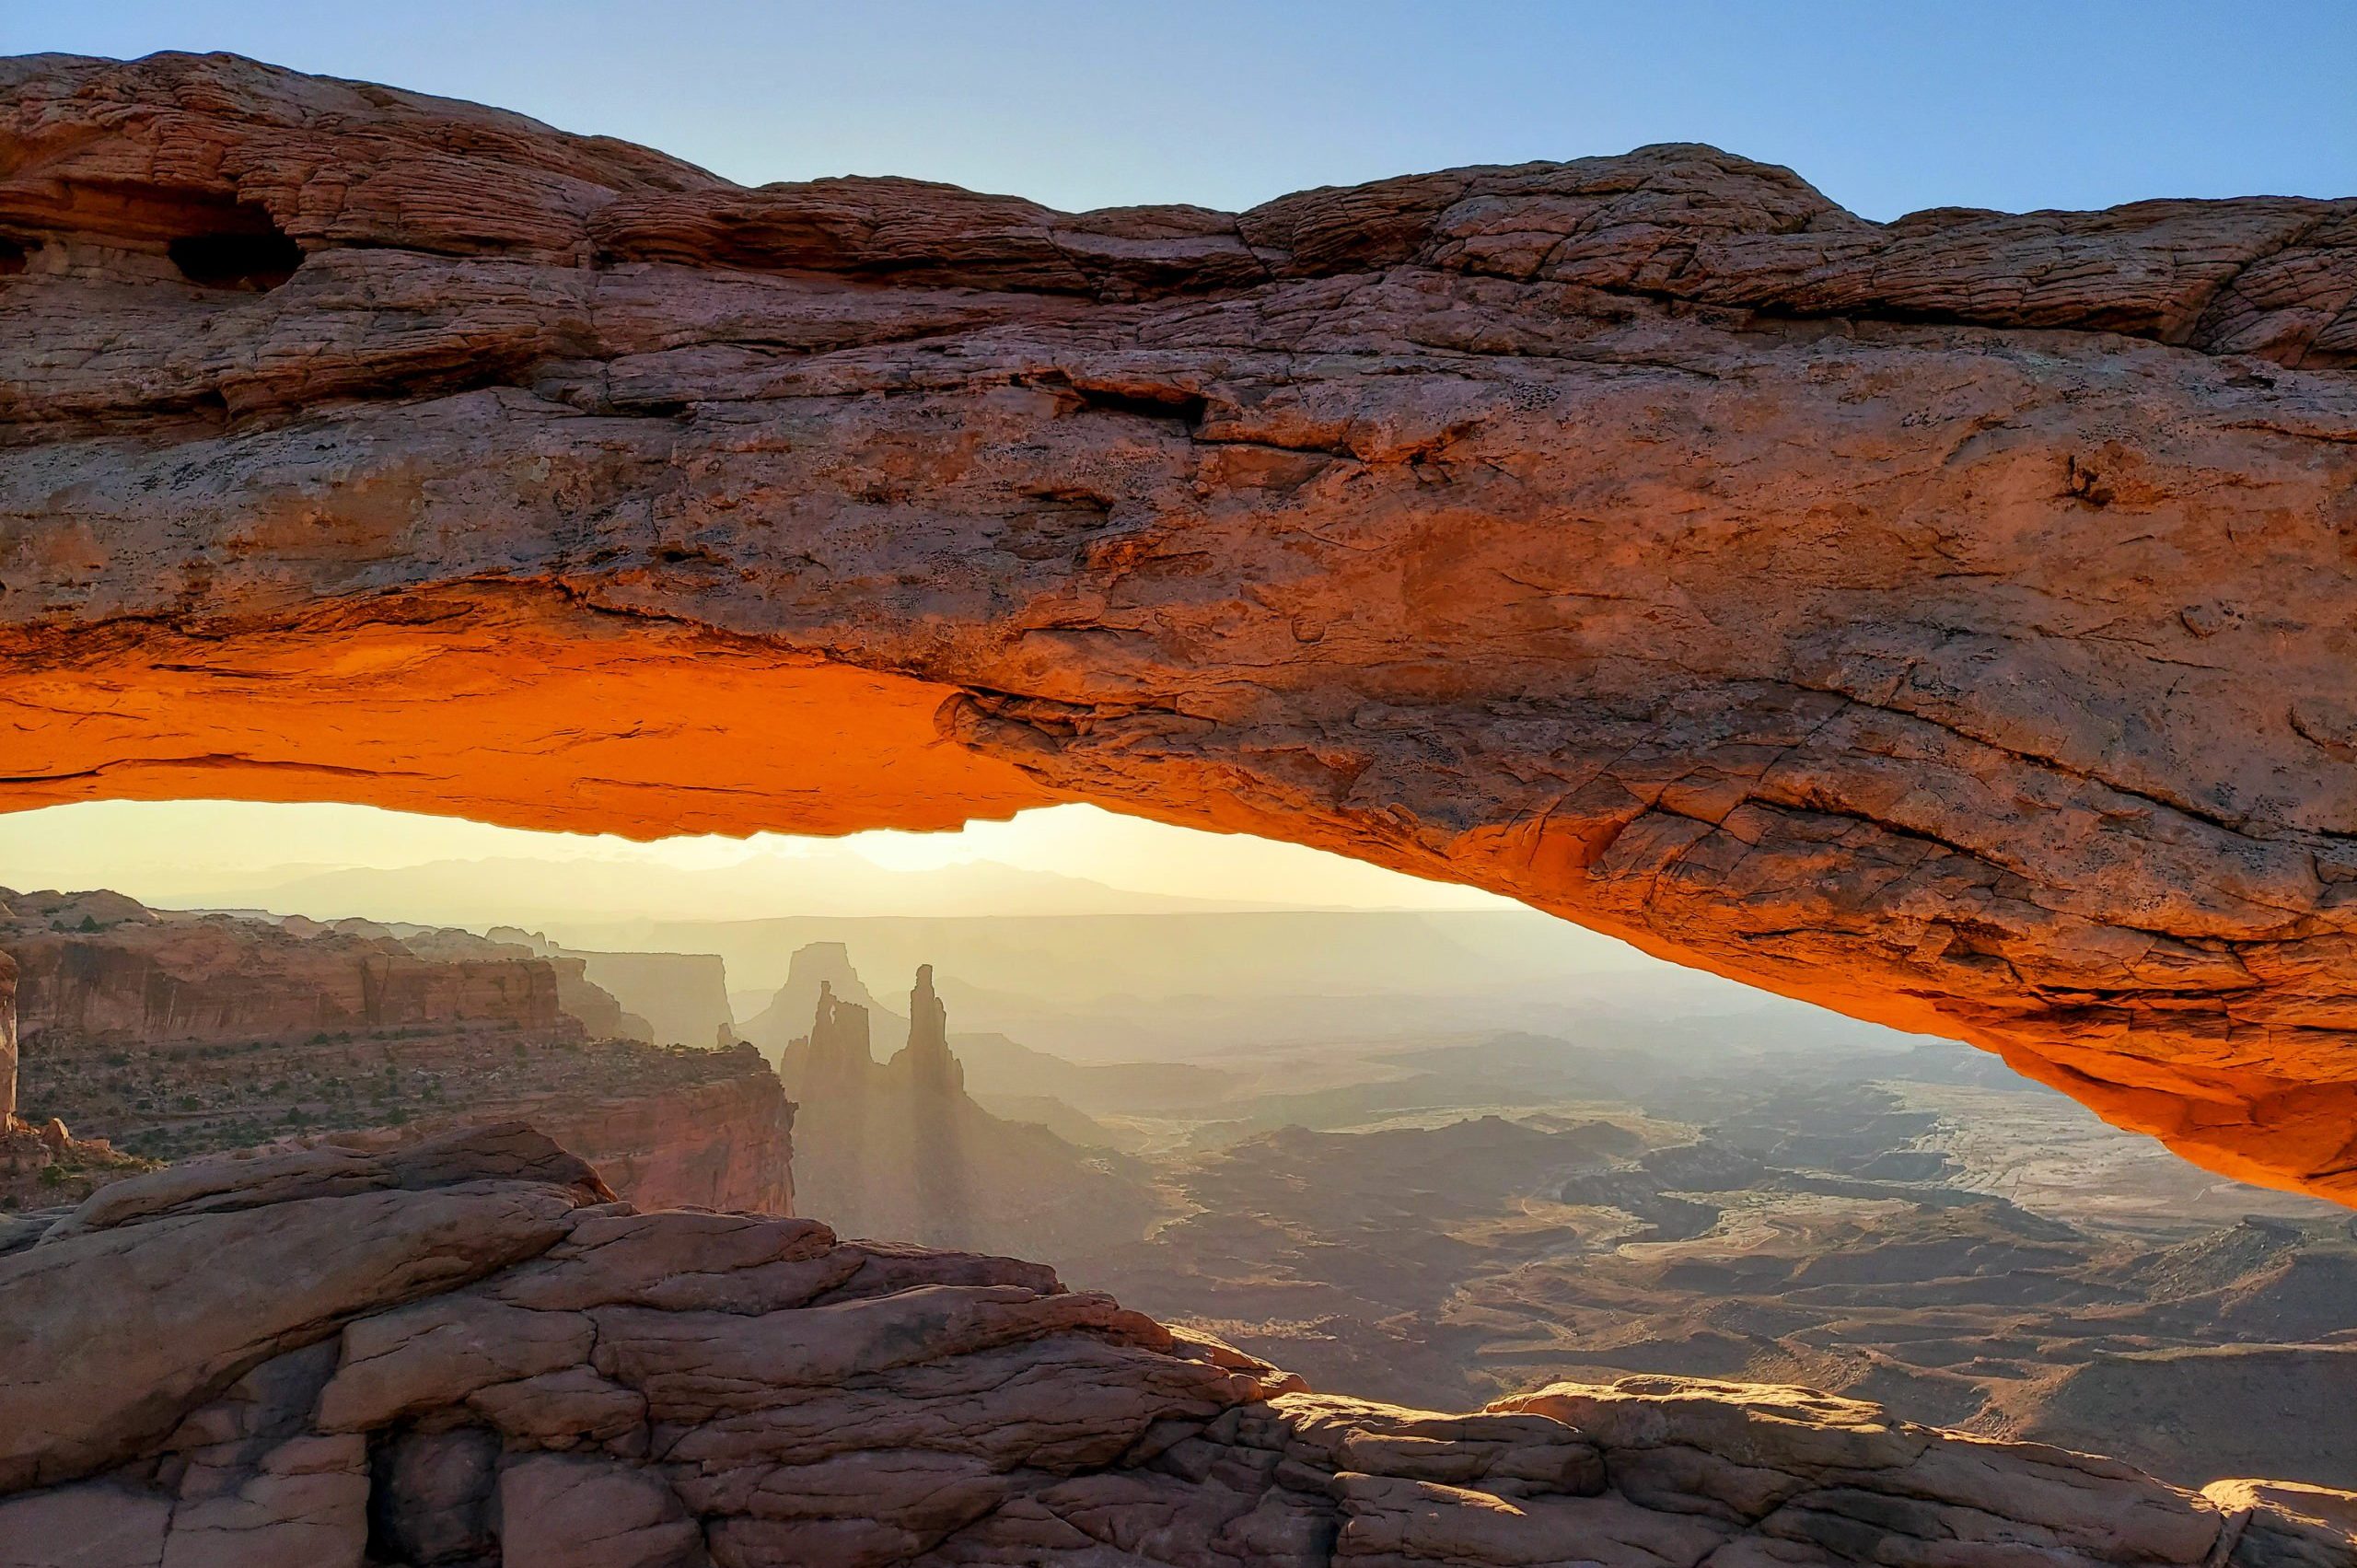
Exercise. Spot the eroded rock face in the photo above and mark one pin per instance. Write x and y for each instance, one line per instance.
(683, 997)
(899, 1148)
(1945, 620)
(463, 1353)
(666, 1129)
(8, 1038)
(99, 971)
(182, 1034)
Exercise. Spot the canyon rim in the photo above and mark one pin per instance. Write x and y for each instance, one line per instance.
(1945, 620)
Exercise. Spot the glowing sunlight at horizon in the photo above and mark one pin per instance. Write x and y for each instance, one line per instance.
(238, 853)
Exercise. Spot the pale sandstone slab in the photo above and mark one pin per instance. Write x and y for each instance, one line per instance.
(576, 1513)
(91, 1526)
(709, 1262)
(307, 1506)
(191, 1304)
(561, 1411)
(440, 1352)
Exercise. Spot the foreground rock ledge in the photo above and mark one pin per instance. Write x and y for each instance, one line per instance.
(1945, 620)
(465, 1352)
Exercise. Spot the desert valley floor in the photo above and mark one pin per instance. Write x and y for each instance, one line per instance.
(1732, 1187)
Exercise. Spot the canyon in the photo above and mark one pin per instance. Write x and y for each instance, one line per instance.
(899, 1148)
(1942, 620)
(1903, 1227)
(1615, 1270)
(157, 1034)
(96, 970)
(1442, 1222)
(477, 1356)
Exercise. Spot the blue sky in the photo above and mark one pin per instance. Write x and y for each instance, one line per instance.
(1886, 106)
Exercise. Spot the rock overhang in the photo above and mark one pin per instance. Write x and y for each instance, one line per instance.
(1945, 620)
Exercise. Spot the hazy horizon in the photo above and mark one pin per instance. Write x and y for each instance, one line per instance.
(333, 861)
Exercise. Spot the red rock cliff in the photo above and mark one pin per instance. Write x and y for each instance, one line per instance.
(99, 968)
(667, 1129)
(726, 1145)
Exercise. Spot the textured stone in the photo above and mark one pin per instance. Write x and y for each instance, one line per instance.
(304, 1507)
(438, 1352)
(110, 1337)
(940, 1410)
(2283, 1523)
(581, 1512)
(91, 1526)
(134, 977)
(561, 1411)
(1840, 1467)
(714, 1262)
(1944, 620)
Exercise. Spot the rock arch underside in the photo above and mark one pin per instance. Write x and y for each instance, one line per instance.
(1946, 621)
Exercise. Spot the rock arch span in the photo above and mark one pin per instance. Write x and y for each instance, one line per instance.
(1946, 621)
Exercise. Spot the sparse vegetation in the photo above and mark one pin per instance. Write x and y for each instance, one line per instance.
(172, 1104)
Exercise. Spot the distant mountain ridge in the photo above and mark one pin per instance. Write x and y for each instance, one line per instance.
(520, 890)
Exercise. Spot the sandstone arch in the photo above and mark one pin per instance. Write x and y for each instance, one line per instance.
(1946, 621)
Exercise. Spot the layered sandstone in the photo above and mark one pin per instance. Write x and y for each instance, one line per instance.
(465, 1352)
(677, 1128)
(669, 1126)
(174, 1035)
(899, 1148)
(1943, 619)
(99, 971)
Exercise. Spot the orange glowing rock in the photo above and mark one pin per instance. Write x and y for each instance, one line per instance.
(1945, 621)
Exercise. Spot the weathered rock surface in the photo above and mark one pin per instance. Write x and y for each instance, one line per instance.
(899, 1148)
(44, 1166)
(1945, 620)
(99, 971)
(667, 1127)
(7, 1038)
(462, 1354)
(179, 1035)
